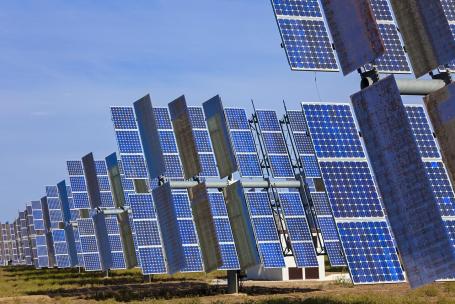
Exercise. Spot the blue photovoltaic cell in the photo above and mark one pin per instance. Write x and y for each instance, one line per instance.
(449, 9)
(274, 142)
(302, 8)
(243, 143)
(310, 166)
(265, 230)
(193, 259)
(173, 166)
(351, 189)
(303, 143)
(394, 59)
(123, 118)
(115, 241)
(298, 230)
(167, 139)
(134, 166)
(152, 260)
(147, 233)
(422, 132)
(321, 203)
(442, 187)
(142, 206)
(381, 10)
(249, 165)
(81, 201)
(202, 141)
(296, 121)
(75, 167)
(163, 120)
(103, 182)
(333, 130)
(372, 257)
(51, 191)
(268, 120)
(237, 119)
(100, 166)
(78, 183)
(128, 142)
(328, 228)
(271, 255)
(208, 165)
(197, 117)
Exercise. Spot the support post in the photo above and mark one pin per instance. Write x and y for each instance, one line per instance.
(233, 282)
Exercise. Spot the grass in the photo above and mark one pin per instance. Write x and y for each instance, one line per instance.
(28, 285)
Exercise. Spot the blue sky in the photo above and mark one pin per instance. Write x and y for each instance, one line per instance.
(63, 63)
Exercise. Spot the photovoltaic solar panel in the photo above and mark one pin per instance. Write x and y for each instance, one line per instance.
(203, 144)
(224, 232)
(187, 229)
(147, 234)
(298, 229)
(366, 240)
(394, 60)
(246, 155)
(115, 241)
(172, 162)
(319, 200)
(275, 145)
(422, 132)
(333, 131)
(268, 242)
(304, 35)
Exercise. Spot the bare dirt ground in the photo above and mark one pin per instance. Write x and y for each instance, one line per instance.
(61, 286)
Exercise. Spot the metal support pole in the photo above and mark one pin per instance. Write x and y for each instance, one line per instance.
(419, 86)
(233, 282)
(245, 184)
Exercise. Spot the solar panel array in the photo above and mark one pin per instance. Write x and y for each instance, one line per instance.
(308, 46)
(319, 199)
(145, 224)
(366, 239)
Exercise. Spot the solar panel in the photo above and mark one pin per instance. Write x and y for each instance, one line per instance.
(246, 154)
(116, 243)
(274, 144)
(333, 131)
(78, 185)
(203, 144)
(401, 177)
(422, 132)
(394, 60)
(298, 229)
(304, 35)
(265, 230)
(192, 252)
(319, 200)
(352, 197)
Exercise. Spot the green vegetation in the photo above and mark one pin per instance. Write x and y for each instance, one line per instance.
(27, 285)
